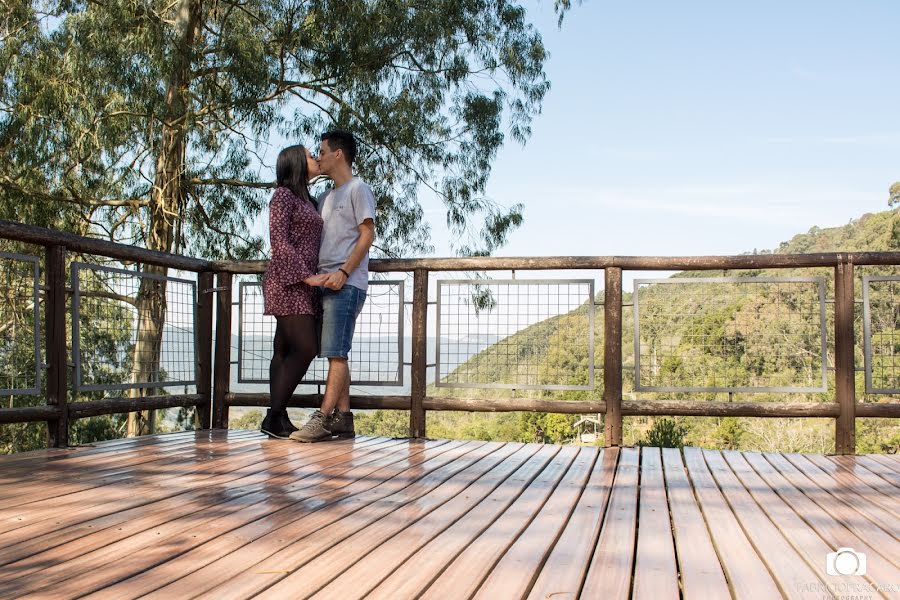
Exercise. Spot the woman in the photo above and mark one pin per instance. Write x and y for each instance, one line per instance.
(295, 230)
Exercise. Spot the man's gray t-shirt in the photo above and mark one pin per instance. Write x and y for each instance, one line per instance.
(344, 209)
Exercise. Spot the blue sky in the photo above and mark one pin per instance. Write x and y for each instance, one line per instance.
(703, 127)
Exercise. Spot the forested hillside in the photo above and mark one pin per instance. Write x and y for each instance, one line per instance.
(765, 335)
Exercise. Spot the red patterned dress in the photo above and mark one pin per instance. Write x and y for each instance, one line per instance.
(295, 231)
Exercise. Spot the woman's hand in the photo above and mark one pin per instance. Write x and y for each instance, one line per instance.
(316, 280)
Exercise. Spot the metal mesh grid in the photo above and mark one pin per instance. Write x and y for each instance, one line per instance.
(377, 341)
(730, 335)
(881, 314)
(515, 334)
(106, 330)
(19, 325)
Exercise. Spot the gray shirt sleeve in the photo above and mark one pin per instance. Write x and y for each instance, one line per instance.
(363, 201)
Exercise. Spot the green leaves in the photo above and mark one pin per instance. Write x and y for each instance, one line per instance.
(432, 90)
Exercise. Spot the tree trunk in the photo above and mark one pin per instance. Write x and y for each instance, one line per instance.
(166, 202)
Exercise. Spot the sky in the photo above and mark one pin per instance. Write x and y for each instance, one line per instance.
(683, 128)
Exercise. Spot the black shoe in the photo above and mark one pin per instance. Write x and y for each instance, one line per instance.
(286, 423)
(341, 424)
(277, 424)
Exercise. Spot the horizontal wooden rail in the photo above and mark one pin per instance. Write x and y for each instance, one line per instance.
(881, 410)
(26, 414)
(76, 243)
(109, 406)
(633, 263)
(658, 408)
(686, 408)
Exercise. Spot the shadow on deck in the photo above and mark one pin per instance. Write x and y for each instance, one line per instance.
(232, 515)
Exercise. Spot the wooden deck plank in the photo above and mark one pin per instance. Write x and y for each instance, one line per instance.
(100, 453)
(279, 494)
(367, 572)
(798, 532)
(469, 568)
(830, 529)
(269, 559)
(655, 568)
(420, 569)
(844, 486)
(235, 515)
(87, 569)
(199, 555)
(701, 573)
(863, 471)
(747, 574)
(314, 575)
(140, 465)
(888, 474)
(91, 465)
(194, 563)
(69, 542)
(562, 575)
(794, 576)
(92, 461)
(42, 518)
(27, 519)
(51, 455)
(609, 574)
(817, 487)
(316, 550)
(516, 572)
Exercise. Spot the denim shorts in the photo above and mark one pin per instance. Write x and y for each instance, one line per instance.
(339, 311)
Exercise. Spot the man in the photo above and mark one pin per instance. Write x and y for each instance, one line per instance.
(349, 214)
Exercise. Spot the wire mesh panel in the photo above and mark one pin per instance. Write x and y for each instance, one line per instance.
(515, 334)
(20, 363)
(131, 329)
(722, 334)
(377, 347)
(881, 324)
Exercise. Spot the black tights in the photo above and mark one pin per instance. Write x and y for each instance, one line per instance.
(296, 345)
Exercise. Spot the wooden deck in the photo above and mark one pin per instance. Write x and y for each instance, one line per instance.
(233, 515)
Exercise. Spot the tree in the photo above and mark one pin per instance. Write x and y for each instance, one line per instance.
(145, 119)
(665, 433)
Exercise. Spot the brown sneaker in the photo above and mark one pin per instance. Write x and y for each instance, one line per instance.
(315, 429)
(341, 424)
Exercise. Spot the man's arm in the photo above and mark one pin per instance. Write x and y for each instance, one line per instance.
(336, 280)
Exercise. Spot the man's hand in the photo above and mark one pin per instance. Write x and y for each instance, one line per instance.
(334, 281)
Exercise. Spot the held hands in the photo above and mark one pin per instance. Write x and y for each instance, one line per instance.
(332, 281)
(316, 280)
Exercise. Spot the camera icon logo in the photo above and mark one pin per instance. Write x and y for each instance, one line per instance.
(845, 561)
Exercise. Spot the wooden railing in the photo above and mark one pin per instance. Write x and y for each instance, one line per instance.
(59, 412)
(214, 396)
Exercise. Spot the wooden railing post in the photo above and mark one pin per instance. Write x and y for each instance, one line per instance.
(844, 364)
(612, 355)
(204, 353)
(419, 353)
(55, 343)
(222, 368)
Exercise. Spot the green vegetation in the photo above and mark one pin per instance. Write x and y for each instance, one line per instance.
(665, 433)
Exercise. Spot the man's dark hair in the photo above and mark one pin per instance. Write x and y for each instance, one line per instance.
(338, 139)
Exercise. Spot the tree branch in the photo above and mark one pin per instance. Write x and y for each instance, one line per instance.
(8, 184)
(233, 183)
